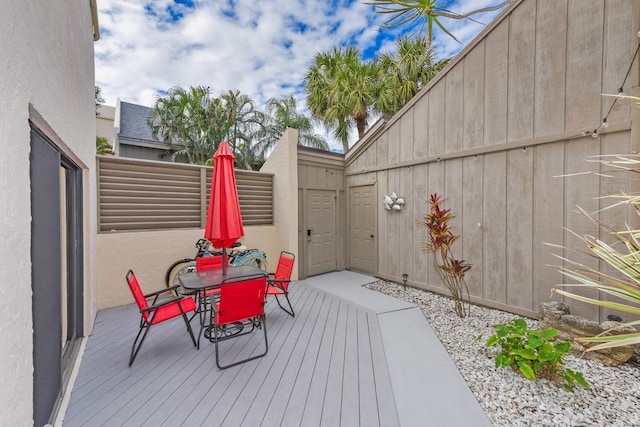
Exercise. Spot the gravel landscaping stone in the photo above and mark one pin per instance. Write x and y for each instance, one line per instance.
(508, 398)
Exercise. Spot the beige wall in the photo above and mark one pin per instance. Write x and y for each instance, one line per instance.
(105, 123)
(493, 133)
(47, 69)
(150, 253)
(282, 163)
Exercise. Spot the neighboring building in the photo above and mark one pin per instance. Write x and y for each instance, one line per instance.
(48, 224)
(134, 137)
(105, 122)
(126, 128)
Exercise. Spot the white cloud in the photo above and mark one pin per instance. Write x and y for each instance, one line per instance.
(260, 48)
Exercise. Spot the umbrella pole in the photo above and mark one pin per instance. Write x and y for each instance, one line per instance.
(224, 262)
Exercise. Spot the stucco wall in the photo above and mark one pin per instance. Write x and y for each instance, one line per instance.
(282, 162)
(150, 253)
(493, 133)
(47, 51)
(105, 123)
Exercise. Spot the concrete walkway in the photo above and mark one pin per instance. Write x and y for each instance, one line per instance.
(427, 387)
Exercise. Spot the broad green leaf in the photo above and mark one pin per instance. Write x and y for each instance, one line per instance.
(546, 355)
(526, 370)
(549, 333)
(535, 342)
(502, 361)
(492, 340)
(526, 353)
(520, 323)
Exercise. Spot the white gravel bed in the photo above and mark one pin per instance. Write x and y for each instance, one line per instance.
(508, 398)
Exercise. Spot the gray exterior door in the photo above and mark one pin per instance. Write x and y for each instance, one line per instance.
(46, 277)
(362, 242)
(56, 271)
(321, 232)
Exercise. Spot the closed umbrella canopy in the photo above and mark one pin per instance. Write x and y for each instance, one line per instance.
(224, 222)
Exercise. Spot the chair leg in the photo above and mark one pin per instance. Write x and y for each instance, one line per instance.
(290, 311)
(263, 320)
(134, 349)
(187, 321)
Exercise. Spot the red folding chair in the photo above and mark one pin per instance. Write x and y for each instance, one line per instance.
(209, 262)
(204, 263)
(278, 282)
(157, 311)
(239, 311)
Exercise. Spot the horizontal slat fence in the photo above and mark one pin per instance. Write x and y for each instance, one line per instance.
(148, 195)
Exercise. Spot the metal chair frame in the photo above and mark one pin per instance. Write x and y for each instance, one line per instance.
(239, 311)
(148, 311)
(278, 282)
(203, 263)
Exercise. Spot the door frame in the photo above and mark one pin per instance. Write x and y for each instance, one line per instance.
(303, 225)
(55, 176)
(374, 183)
(335, 232)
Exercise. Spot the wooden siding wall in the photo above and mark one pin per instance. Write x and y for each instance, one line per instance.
(494, 133)
(146, 195)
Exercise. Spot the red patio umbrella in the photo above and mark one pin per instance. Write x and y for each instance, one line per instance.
(224, 222)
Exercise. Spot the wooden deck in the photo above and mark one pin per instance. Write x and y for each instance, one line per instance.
(325, 367)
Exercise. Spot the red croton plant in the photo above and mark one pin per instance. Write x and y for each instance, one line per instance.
(440, 239)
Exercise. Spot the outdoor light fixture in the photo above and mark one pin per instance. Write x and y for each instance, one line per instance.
(393, 202)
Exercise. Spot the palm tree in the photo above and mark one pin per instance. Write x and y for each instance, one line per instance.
(282, 114)
(410, 68)
(191, 121)
(425, 13)
(103, 147)
(245, 122)
(343, 90)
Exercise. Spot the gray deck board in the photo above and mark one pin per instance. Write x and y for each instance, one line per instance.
(326, 366)
(350, 414)
(333, 391)
(368, 403)
(312, 413)
(384, 393)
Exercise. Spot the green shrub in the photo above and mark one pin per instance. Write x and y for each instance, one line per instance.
(532, 354)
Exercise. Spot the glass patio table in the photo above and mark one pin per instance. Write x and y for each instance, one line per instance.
(205, 283)
(198, 281)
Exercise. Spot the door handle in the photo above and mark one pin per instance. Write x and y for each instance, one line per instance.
(371, 235)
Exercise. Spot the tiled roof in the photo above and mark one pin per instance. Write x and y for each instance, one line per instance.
(133, 122)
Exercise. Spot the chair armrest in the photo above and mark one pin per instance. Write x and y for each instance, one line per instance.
(277, 283)
(271, 281)
(161, 291)
(161, 303)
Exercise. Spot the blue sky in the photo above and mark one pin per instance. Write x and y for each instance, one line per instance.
(261, 48)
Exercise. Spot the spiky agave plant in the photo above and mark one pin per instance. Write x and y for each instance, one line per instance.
(623, 256)
(440, 239)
